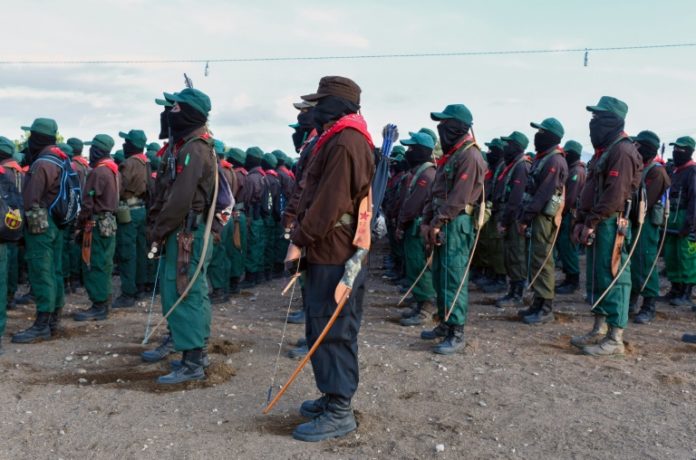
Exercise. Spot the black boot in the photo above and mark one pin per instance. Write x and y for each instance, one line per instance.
(647, 311)
(205, 359)
(543, 314)
(249, 281)
(124, 301)
(165, 347)
(298, 352)
(689, 338)
(26, 299)
(142, 292)
(537, 303)
(424, 312)
(514, 296)
(569, 285)
(675, 291)
(439, 331)
(11, 303)
(297, 317)
(452, 342)
(75, 283)
(497, 285)
(191, 369)
(633, 304)
(219, 296)
(54, 321)
(337, 420)
(314, 407)
(97, 312)
(37, 332)
(234, 285)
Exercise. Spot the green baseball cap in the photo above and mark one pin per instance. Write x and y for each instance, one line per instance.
(67, 149)
(167, 101)
(457, 111)
(573, 146)
(420, 139)
(137, 137)
(270, 159)
(103, 142)
(7, 146)
(219, 147)
(237, 155)
(647, 137)
(254, 152)
(397, 150)
(153, 147)
(496, 143)
(427, 131)
(517, 137)
(193, 97)
(47, 126)
(610, 104)
(685, 141)
(397, 158)
(76, 144)
(119, 156)
(280, 155)
(551, 125)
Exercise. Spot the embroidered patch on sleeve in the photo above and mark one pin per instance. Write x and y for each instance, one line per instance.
(464, 176)
(613, 173)
(422, 182)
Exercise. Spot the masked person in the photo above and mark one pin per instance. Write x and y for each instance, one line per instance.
(237, 246)
(7, 176)
(393, 197)
(654, 183)
(680, 256)
(43, 238)
(337, 180)
(259, 208)
(420, 158)
(15, 175)
(97, 225)
(613, 177)
(568, 250)
(508, 192)
(272, 220)
(72, 265)
(179, 222)
(131, 243)
(448, 222)
(287, 184)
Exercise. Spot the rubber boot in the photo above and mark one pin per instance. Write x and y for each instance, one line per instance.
(219, 296)
(411, 310)
(298, 352)
(205, 359)
(537, 304)
(675, 292)
(633, 304)
(54, 321)
(26, 299)
(37, 332)
(684, 300)
(337, 420)
(424, 313)
(514, 296)
(440, 330)
(124, 301)
(314, 407)
(612, 344)
(250, 280)
(191, 369)
(569, 285)
(497, 285)
(97, 312)
(689, 338)
(297, 317)
(647, 311)
(164, 349)
(453, 342)
(542, 315)
(234, 285)
(599, 330)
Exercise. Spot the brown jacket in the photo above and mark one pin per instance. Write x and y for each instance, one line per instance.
(546, 177)
(240, 196)
(337, 179)
(418, 192)
(42, 182)
(656, 182)
(509, 190)
(577, 176)
(134, 177)
(306, 158)
(100, 193)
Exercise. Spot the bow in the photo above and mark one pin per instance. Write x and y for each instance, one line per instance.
(428, 263)
(662, 240)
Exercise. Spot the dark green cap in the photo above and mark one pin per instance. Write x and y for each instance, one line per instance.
(280, 155)
(270, 159)
(420, 139)
(67, 149)
(153, 147)
(573, 146)
(496, 143)
(193, 97)
(7, 146)
(427, 131)
(610, 104)
(136, 136)
(219, 147)
(167, 101)
(255, 152)
(457, 111)
(518, 138)
(551, 125)
(685, 141)
(647, 137)
(103, 142)
(237, 155)
(47, 126)
(397, 158)
(76, 144)
(119, 156)
(397, 150)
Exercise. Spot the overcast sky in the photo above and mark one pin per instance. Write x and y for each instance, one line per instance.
(252, 101)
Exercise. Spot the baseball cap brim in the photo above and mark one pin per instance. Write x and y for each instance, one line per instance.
(595, 108)
(408, 142)
(163, 102)
(440, 116)
(537, 125)
(294, 125)
(303, 105)
(678, 144)
(313, 97)
(123, 135)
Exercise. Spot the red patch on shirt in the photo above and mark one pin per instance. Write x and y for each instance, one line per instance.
(464, 176)
(422, 182)
(179, 169)
(516, 181)
(613, 173)
(552, 169)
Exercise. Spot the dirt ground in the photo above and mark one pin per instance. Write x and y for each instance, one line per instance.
(515, 392)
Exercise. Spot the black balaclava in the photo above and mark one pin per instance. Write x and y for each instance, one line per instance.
(251, 162)
(571, 157)
(416, 155)
(331, 108)
(36, 143)
(451, 131)
(512, 151)
(306, 121)
(96, 155)
(605, 128)
(185, 121)
(681, 155)
(647, 151)
(494, 155)
(129, 149)
(265, 165)
(164, 123)
(544, 140)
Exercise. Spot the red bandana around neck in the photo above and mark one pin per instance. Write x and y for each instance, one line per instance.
(289, 173)
(81, 160)
(109, 163)
(445, 158)
(271, 172)
(353, 121)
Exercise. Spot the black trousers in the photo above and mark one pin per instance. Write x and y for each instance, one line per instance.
(335, 362)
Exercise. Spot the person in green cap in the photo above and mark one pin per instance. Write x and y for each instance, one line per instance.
(567, 250)
(118, 157)
(15, 174)
(179, 217)
(541, 212)
(271, 221)
(71, 259)
(237, 245)
(613, 177)
(7, 150)
(680, 245)
(654, 182)
(508, 194)
(393, 197)
(448, 222)
(131, 243)
(287, 184)
(151, 152)
(96, 225)
(420, 158)
(259, 206)
(43, 238)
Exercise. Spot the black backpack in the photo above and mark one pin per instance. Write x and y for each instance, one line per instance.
(225, 198)
(11, 210)
(66, 205)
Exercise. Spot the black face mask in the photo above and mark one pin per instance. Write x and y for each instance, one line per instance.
(251, 162)
(185, 121)
(544, 140)
(494, 156)
(681, 156)
(647, 151)
(36, 143)
(164, 123)
(331, 108)
(416, 155)
(512, 151)
(572, 157)
(129, 149)
(605, 128)
(96, 155)
(451, 131)
(299, 137)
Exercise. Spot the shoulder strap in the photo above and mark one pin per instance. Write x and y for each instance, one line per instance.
(648, 169)
(421, 169)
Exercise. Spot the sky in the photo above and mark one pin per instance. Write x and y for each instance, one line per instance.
(252, 101)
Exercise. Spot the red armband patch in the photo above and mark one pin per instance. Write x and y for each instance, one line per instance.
(464, 176)
(179, 169)
(552, 169)
(422, 183)
(614, 173)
